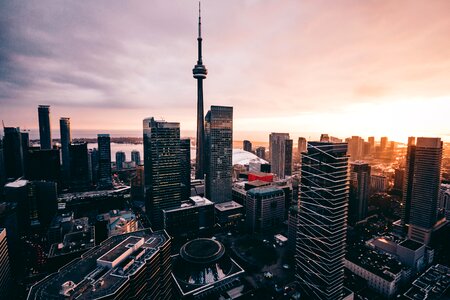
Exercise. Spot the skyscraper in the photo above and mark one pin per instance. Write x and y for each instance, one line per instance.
(104, 160)
(383, 143)
(408, 180)
(247, 145)
(277, 152)
(200, 73)
(261, 152)
(162, 168)
(359, 191)
(66, 139)
(12, 152)
(356, 148)
(322, 220)
(185, 161)
(5, 267)
(219, 153)
(45, 135)
(80, 169)
(120, 159)
(289, 144)
(301, 145)
(425, 188)
(136, 157)
(43, 165)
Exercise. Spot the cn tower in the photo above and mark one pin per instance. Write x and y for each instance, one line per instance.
(199, 73)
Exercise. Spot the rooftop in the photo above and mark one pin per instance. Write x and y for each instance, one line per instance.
(230, 205)
(103, 269)
(261, 191)
(242, 157)
(382, 265)
(432, 284)
(410, 244)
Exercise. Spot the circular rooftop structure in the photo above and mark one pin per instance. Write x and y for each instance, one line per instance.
(202, 251)
(242, 157)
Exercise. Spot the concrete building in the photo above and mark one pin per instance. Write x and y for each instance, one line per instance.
(444, 200)
(433, 284)
(302, 145)
(119, 222)
(265, 208)
(136, 157)
(104, 161)
(66, 140)
(192, 216)
(247, 146)
(278, 148)
(359, 191)
(229, 214)
(120, 159)
(130, 266)
(378, 184)
(261, 152)
(45, 131)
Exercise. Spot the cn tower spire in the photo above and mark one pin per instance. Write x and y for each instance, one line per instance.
(200, 73)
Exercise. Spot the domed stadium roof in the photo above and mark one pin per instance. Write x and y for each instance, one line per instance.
(242, 157)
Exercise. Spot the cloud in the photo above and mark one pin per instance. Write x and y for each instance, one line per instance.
(116, 62)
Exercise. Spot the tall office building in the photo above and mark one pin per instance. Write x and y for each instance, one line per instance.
(322, 220)
(104, 160)
(12, 152)
(247, 145)
(66, 139)
(120, 159)
(265, 207)
(277, 152)
(261, 152)
(301, 145)
(185, 161)
(162, 168)
(43, 165)
(5, 267)
(371, 140)
(219, 153)
(200, 73)
(2, 168)
(136, 157)
(356, 148)
(359, 191)
(45, 134)
(408, 180)
(94, 162)
(425, 181)
(80, 169)
(289, 144)
(383, 143)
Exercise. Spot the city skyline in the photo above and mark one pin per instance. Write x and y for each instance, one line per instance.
(372, 71)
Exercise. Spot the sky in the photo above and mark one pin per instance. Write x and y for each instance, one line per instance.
(369, 68)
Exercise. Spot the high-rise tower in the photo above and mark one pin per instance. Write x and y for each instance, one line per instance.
(45, 134)
(66, 139)
(104, 160)
(199, 73)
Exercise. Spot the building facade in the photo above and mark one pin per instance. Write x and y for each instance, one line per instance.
(45, 132)
(104, 160)
(277, 151)
(359, 191)
(322, 220)
(265, 208)
(162, 168)
(66, 139)
(219, 153)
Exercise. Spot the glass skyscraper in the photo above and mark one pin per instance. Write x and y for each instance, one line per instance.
(162, 168)
(278, 149)
(104, 160)
(219, 152)
(322, 220)
(66, 139)
(45, 135)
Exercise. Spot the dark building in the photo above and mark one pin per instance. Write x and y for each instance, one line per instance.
(359, 191)
(261, 152)
(200, 73)
(278, 149)
(162, 168)
(136, 157)
(36, 202)
(185, 161)
(104, 160)
(80, 170)
(292, 228)
(322, 220)
(5, 267)
(383, 143)
(12, 152)
(43, 165)
(2, 169)
(193, 215)
(219, 153)
(137, 184)
(229, 214)
(25, 137)
(45, 135)
(407, 184)
(425, 182)
(120, 159)
(66, 140)
(247, 145)
(265, 208)
(203, 270)
(288, 157)
(135, 265)
(94, 165)
(399, 181)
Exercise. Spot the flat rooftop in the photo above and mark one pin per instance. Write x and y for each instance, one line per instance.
(411, 245)
(432, 284)
(382, 265)
(84, 273)
(230, 205)
(118, 250)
